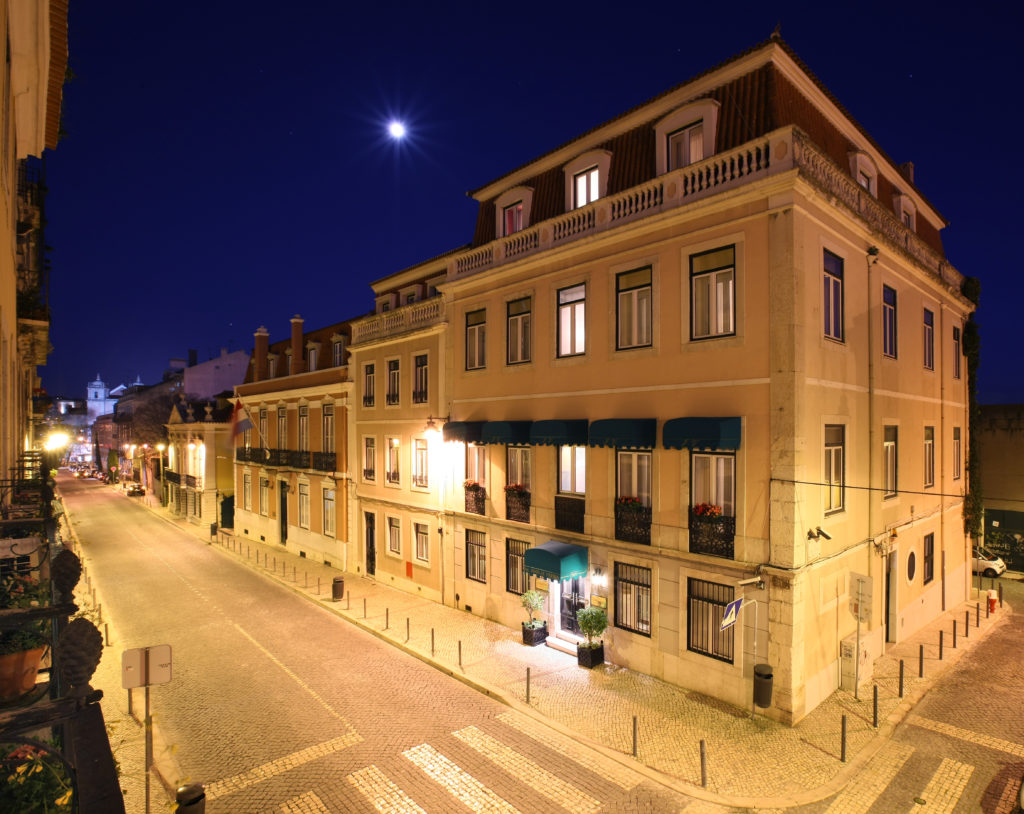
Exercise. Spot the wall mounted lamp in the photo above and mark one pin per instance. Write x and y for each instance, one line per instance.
(432, 424)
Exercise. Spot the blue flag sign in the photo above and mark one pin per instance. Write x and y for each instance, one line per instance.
(731, 612)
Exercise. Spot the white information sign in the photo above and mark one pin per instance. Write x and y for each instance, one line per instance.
(860, 596)
(145, 666)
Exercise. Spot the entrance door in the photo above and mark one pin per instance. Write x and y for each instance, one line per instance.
(282, 489)
(890, 599)
(371, 545)
(572, 601)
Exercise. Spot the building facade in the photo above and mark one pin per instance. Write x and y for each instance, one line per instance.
(197, 474)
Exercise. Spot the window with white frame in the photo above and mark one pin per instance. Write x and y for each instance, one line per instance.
(264, 496)
(714, 482)
(929, 456)
(864, 171)
(271, 366)
(712, 293)
(282, 428)
(635, 318)
(928, 566)
(392, 475)
(476, 555)
(327, 420)
(476, 464)
(303, 429)
(394, 382)
(634, 475)
(889, 458)
(518, 471)
(328, 512)
(928, 339)
(304, 505)
(512, 218)
(476, 335)
(512, 211)
(833, 307)
(685, 145)
(956, 351)
(519, 331)
(905, 210)
(263, 425)
(419, 462)
(368, 385)
(516, 581)
(572, 470)
(338, 353)
(312, 355)
(572, 332)
(395, 536)
(420, 379)
(422, 542)
(633, 598)
(957, 454)
(247, 491)
(889, 321)
(586, 187)
(835, 473)
(369, 458)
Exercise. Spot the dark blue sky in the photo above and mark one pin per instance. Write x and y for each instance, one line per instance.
(227, 164)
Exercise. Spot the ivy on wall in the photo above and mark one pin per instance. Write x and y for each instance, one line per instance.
(973, 506)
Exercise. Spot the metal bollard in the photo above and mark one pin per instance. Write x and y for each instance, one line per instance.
(842, 748)
(460, 652)
(431, 641)
(967, 624)
(406, 628)
(874, 716)
(1000, 594)
(318, 586)
(901, 678)
(387, 618)
(703, 764)
(527, 685)
(99, 612)
(977, 614)
(941, 632)
(348, 601)
(306, 575)
(634, 736)
(293, 574)
(106, 634)
(364, 607)
(954, 634)
(191, 799)
(920, 661)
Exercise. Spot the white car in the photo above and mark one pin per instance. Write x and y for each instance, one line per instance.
(987, 563)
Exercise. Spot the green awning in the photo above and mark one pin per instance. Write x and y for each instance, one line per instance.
(466, 431)
(555, 560)
(702, 433)
(624, 433)
(559, 433)
(506, 432)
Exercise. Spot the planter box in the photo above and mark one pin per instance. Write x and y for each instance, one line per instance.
(517, 506)
(633, 524)
(475, 497)
(589, 657)
(535, 635)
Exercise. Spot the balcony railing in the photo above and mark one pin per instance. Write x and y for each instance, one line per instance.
(324, 461)
(633, 524)
(517, 506)
(172, 477)
(191, 481)
(369, 474)
(569, 513)
(391, 399)
(405, 318)
(419, 479)
(419, 396)
(712, 535)
(277, 457)
(476, 500)
(299, 458)
(368, 400)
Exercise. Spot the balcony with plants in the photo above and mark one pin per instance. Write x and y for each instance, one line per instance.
(711, 532)
(517, 503)
(476, 497)
(632, 520)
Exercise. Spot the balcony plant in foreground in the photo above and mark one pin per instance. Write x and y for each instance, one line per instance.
(34, 777)
(592, 622)
(22, 648)
(535, 631)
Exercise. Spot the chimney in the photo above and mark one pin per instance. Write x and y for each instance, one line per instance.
(298, 365)
(193, 357)
(261, 345)
(907, 170)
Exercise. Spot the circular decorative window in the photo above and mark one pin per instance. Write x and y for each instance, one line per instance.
(911, 566)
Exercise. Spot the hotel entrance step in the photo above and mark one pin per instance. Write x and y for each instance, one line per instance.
(564, 641)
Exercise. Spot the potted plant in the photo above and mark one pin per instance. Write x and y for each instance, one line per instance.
(22, 648)
(535, 631)
(592, 622)
(33, 777)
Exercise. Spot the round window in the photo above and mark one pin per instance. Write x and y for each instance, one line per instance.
(911, 566)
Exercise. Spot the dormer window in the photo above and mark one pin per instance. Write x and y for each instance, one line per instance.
(905, 210)
(586, 187)
(686, 135)
(864, 171)
(586, 178)
(513, 218)
(686, 145)
(312, 356)
(512, 210)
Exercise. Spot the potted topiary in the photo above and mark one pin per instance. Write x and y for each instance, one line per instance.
(535, 631)
(592, 622)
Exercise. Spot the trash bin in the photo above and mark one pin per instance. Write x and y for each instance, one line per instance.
(213, 530)
(338, 588)
(191, 799)
(763, 685)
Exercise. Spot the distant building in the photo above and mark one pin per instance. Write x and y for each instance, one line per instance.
(100, 398)
(1000, 452)
(198, 474)
(204, 380)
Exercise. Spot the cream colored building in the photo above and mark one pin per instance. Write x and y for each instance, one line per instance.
(716, 347)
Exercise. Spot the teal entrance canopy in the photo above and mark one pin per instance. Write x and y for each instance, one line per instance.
(466, 431)
(702, 433)
(555, 560)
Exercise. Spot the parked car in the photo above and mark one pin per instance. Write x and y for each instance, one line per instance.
(136, 490)
(987, 564)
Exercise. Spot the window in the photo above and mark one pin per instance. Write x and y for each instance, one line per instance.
(419, 384)
(392, 475)
(263, 428)
(833, 308)
(303, 429)
(419, 462)
(889, 457)
(929, 340)
(633, 598)
(475, 339)
(956, 352)
(247, 491)
(634, 476)
(512, 218)
(889, 321)
(311, 359)
(328, 428)
(476, 556)
(835, 444)
(329, 512)
(370, 458)
(865, 180)
(518, 471)
(394, 536)
(712, 281)
(706, 602)
(713, 482)
(368, 385)
(516, 581)
(422, 542)
(572, 303)
(476, 464)
(957, 453)
(519, 331)
(264, 496)
(338, 353)
(929, 456)
(394, 383)
(929, 558)
(864, 171)
(247, 438)
(634, 308)
(282, 428)
(271, 366)
(572, 470)
(304, 505)
(686, 145)
(586, 187)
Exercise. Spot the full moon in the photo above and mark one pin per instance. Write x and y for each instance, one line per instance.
(396, 129)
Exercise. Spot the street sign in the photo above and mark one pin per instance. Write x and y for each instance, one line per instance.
(860, 596)
(731, 611)
(145, 666)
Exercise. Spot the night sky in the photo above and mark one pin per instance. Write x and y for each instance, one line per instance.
(227, 165)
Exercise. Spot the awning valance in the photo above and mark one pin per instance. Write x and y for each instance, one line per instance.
(506, 432)
(702, 433)
(555, 560)
(559, 433)
(625, 433)
(466, 431)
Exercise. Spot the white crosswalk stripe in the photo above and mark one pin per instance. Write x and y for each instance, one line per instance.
(944, 789)
(857, 798)
(383, 795)
(459, 783)
(308, 803)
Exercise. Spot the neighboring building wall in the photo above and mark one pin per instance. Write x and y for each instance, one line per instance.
(208, 379)
(1000, 452)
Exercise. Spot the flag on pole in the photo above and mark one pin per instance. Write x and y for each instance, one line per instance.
(240, 421)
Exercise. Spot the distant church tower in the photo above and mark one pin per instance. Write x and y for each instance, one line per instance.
(98, 399)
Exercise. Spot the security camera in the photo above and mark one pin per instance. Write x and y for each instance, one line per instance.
(823, 533)
(750, 581)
